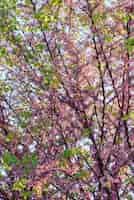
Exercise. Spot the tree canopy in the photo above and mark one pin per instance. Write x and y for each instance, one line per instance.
(67, 100)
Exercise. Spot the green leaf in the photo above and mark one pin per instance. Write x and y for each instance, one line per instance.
(23, 124)
(3, 51)
(109, 38)
(87, 131)
(27, 2)
(98, 18)
(129, 44)
(10, 137)
(18, 38)
(130, 115)
(26, 194)
(30, 159)
(82, 174)
(20, 185)
(29, 162)
(26, 114)
(68, 153)
(25, 160)
(34, 159)
(56, 2)
(126, 18)
(40, 46)
(27, 170)
(129, 180)
(10, 159)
